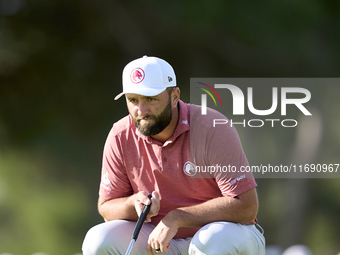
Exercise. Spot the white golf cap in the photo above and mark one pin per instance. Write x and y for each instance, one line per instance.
(147, 76)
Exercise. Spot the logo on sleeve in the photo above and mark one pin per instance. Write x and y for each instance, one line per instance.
(105, 179)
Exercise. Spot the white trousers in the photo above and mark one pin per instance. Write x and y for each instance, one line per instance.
(220, 238)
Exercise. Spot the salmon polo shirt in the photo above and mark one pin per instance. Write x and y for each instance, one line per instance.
(133, 162)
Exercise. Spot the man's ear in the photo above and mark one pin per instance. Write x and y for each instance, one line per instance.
(175, 94)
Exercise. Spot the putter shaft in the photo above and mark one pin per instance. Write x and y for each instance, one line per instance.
(138, 227)
(130, 247)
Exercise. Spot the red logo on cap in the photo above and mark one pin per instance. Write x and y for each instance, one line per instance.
(137, 75)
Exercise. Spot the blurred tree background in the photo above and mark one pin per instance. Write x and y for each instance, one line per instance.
(60, 67)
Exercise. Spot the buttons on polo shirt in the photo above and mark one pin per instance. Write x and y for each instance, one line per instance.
(165, 159)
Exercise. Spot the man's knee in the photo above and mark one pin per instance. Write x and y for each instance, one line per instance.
(222, 238)
(210, 238)
(103, 237)
(113, 237)
(94, 241)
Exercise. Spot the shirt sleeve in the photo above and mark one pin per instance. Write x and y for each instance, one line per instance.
(219, 147)
(114, 180)
(225, 150)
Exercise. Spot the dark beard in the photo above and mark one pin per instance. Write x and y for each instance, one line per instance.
(161, 122)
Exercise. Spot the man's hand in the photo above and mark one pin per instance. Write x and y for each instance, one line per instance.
(142, 199)
(160, 238)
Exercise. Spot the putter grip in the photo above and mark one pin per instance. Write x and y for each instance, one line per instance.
(141, 219)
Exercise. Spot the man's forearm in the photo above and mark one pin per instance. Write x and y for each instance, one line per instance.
(240, 209)
(118, 209)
